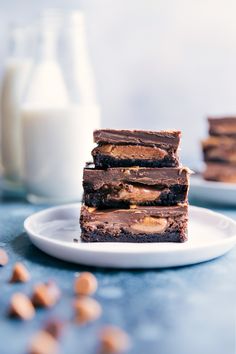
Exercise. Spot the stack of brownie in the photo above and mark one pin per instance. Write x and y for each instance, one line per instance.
(136, 191)
(219, 150)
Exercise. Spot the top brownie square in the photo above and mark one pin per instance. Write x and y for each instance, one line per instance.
(126, 148)
(222, 126)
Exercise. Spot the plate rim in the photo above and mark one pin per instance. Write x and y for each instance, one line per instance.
(32, 235)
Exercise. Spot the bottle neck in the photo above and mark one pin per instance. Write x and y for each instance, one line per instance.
(83, 78)
(49, 29)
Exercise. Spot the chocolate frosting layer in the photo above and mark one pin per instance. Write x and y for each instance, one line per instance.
(127, 216)
(145, 176)
(169, 138)
(222, 120)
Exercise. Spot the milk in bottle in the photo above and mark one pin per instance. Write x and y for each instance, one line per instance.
(15, 77)
(59, 115)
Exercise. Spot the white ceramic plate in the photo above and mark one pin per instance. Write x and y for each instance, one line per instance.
(53, 230)
(214, 192)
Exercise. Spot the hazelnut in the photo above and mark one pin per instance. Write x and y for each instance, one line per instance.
(43, 343)
(113, 340)
(21, 306)
(3, 257)
(85, 284)
(86, 310)
(46, 294)
(19, 274)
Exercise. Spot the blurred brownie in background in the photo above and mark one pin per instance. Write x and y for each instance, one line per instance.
(220, 172)
(222, 126)
(219, 150)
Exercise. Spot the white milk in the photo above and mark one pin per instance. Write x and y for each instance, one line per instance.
(57, 134)
(56, 144)
(14, 82)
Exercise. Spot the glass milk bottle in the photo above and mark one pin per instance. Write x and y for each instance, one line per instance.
(59, 113)
(15, 77)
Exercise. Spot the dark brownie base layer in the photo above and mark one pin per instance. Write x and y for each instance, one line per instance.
(122, 187)
(131, 238)
(104, 161)
(140, 224)
(109, 197)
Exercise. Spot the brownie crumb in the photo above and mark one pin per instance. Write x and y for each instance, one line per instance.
(3, 257)
(21, 306)
(86, 310)
(75, 240)
(113, 340)
(85, 284)
(19, 274)
(46, 294)
(43, 343)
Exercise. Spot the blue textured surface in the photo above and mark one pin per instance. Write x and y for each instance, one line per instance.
(182, 310)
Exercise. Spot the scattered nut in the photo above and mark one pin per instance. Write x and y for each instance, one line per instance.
(85, 284)
(54, 327)
(21, 306)
(19, 274)
(113, 340)
(3, 257)
(46, 294)
(43, 343)
(86, 310)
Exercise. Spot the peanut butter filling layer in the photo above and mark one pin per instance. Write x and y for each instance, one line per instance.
(218, 141)
(220, 178)
(136, 194)
(228, 179)
(138, 221)
(132, 151)
(150, 225)
(147, 224)
(224, 155)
